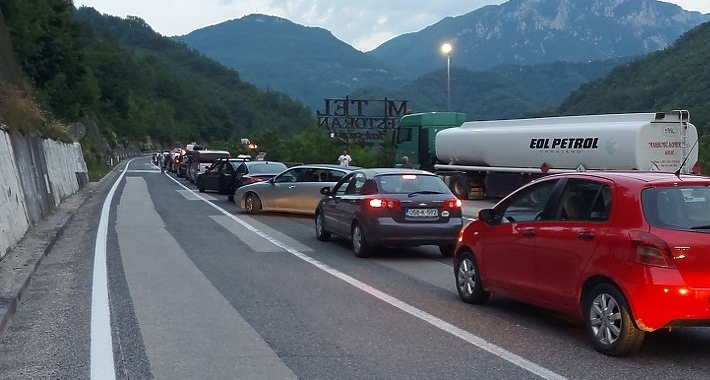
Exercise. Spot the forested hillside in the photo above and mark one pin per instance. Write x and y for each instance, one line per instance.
(134, 83)
(675, 78)
(503, 92)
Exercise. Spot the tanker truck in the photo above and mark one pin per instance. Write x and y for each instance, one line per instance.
(490, 159)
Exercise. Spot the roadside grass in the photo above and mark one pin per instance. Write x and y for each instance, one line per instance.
(97, 170)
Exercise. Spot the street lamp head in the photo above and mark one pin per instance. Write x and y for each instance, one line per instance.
(446, 48)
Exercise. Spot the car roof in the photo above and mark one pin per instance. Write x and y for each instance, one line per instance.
(384, 171)
(640, 178)
(249, 163)
(326, 166)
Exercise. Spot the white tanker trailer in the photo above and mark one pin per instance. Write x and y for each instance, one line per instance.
(492, 158)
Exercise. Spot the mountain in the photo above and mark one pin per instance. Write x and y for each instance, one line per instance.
(675, 78)
(504, 92)
(538, 31)
(307, 63)
(311, 64)
(184, 94)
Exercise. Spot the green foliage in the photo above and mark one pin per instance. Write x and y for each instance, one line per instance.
(307, 63)
(504, 92)
(50, 48)
(675, 78)
(135, 82)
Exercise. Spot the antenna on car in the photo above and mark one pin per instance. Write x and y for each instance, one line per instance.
(677, 172)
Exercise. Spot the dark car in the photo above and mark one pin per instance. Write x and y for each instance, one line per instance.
(201, 160)
(390, 207)
(625, 252)
(227, 175)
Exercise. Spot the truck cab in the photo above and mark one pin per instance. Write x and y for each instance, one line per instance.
(415, 136)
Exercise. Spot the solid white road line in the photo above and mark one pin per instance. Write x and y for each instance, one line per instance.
(102, 366)
(434, 321)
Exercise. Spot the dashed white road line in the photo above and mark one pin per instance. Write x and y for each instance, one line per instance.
(424, 316)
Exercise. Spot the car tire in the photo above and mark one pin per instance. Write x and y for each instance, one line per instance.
(361, 248)
(610, 327)
(321, 233)
(447, 250)
(252, 203)
(468, 279)
(460, 185)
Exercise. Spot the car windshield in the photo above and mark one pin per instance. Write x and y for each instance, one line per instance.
(410, 184)
(677, 207)
(266, 168)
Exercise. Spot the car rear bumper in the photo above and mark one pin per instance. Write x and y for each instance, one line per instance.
(383, 231)
(660, 303)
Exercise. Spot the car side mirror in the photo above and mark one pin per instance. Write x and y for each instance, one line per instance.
(325, 191)
(489, 216)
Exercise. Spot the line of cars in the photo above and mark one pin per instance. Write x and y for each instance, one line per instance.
(623, 252)
(371, 207)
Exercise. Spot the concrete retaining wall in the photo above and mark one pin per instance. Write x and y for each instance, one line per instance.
(36, 175)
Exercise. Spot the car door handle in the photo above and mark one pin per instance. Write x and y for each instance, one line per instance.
(291, 186)
(586, 236)
(529, 233)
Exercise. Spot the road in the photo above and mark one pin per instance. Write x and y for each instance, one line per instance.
(199, 290)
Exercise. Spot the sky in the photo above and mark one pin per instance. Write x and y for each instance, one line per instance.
(364, 24)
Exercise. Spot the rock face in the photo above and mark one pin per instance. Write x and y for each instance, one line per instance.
(540, 31)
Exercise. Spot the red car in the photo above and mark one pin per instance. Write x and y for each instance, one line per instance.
(626, 252)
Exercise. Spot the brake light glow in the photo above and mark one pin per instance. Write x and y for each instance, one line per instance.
(385, 203)
(252, 180)
(451, 204)
(651, 250)
(409, 176)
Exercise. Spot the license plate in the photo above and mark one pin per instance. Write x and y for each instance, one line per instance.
(422, 212)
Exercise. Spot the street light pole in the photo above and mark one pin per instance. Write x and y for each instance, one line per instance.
(446, 49)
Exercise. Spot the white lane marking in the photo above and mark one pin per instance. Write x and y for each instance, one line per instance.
(189, 195)
(102, 366)
(434, 321)
(276, 235)
(192, 195)
(254, 241)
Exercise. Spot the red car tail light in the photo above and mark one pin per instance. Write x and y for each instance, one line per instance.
(385, 203)
(248, 180)
(651, 250)
(452, 204)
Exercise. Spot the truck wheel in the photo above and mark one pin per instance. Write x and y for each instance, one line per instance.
(460, 185)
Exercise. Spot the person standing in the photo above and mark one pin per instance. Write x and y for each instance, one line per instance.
(161, 162)
(405, 163)
(344, 159)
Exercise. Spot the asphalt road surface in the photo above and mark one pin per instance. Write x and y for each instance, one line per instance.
(190, 287)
